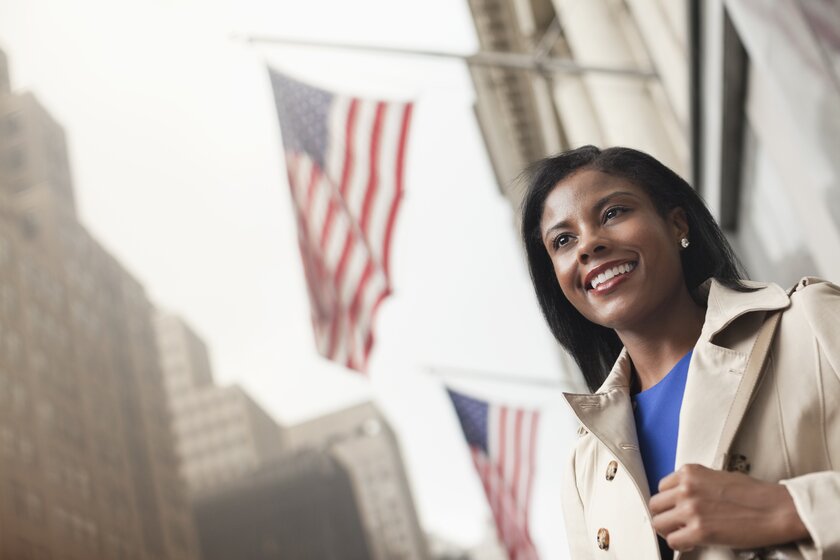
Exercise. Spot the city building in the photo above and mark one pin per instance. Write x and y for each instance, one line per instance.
(221, 433)
(488, 548)
(767, 98)
(88, 463)
(740, 98)
(569, 73)
(558, 74)
(300, 507)
(363, 443)
(5, 76)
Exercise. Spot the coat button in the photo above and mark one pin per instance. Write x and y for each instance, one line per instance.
(612, 468)
(738, 463)
(603, 539)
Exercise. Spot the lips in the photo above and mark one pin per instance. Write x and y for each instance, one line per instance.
(603, 274)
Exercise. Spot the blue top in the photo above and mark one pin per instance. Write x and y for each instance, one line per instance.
(657, 413)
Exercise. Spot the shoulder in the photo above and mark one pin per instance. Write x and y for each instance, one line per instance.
(816, 290)
(814, 314)
(818, 300)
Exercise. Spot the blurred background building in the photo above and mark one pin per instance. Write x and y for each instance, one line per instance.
(88, 463)
(487, 549)
(766, 95)
(302, 506)
(607, 73)
(740, 97)
(363, 443)
(339, 491)
(221, 433)
(112, 430)
(108, 407)
(332, 487)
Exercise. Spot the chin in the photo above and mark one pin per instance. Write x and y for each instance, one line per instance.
(616, 317)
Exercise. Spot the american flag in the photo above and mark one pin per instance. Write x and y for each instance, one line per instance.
(503, 442)
(344, 157)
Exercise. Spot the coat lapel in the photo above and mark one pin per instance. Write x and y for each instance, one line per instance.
(608, 414)
(716, 371)
(713, 377)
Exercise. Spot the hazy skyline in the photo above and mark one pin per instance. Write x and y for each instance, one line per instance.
(178, 171)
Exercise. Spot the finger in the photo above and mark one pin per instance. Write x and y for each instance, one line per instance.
(663, 501)
(689, 472)
(683, 539)
(669, 521)
(669, 481)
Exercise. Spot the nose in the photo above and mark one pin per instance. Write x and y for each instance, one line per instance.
(590, 246)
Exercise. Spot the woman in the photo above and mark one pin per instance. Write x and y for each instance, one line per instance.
(640, 286)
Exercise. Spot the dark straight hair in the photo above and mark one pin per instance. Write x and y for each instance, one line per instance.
(594, 347)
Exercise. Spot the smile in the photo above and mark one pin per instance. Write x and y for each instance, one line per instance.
(604, 278)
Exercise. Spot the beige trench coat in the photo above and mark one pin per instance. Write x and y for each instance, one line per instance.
(790, 434)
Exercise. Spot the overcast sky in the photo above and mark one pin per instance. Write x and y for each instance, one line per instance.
(178, 172)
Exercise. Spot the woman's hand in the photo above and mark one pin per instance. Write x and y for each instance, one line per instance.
(699, 506)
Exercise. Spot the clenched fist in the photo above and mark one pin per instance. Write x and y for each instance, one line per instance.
(699, 506)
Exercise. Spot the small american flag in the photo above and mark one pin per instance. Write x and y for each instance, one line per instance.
(503, 443)
(344, 157)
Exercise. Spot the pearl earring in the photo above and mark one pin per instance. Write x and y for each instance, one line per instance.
(684, 242)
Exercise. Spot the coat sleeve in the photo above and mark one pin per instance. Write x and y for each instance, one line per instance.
(817, 500)
(580, 547)
(817, 495)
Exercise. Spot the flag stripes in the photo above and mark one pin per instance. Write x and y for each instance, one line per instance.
(345, 160)
(503, 446)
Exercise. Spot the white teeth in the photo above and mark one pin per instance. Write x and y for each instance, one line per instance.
(611, 273)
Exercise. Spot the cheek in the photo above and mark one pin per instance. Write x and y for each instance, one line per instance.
(567, 280)
(664, 263)
(563, 272)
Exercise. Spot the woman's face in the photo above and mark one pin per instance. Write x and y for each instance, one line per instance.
(616, 258)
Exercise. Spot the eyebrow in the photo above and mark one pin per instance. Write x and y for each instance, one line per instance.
(599, 204)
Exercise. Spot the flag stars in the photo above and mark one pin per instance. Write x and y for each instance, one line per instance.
(345, 175)
(506, 468)
(303, 116)
(472, 413)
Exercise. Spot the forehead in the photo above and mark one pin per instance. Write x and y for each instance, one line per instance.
(576, 195)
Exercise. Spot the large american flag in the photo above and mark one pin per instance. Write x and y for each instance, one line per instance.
(344, 157)
(503, 442)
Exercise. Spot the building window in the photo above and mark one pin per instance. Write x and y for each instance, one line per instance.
(27, 505)
(12, 160)
(10, 125)
(4, 251)
(27, 550)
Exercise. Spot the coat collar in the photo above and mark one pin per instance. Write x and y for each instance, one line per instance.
(608, 413)
(724, 305)
(715, 371)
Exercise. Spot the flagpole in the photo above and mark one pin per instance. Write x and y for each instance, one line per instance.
(539, 62)
(483, 375)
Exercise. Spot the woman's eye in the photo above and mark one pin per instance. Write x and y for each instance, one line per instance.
(613, 212)
(561, 240)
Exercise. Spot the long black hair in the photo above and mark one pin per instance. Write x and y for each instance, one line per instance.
(594, 347)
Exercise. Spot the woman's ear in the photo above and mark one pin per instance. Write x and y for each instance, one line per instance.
(678, 222)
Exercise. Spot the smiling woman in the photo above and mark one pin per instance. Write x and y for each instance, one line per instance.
(638, 283)
(617, 258)
(608, 189)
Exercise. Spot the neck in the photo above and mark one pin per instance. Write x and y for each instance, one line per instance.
(657, 345)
